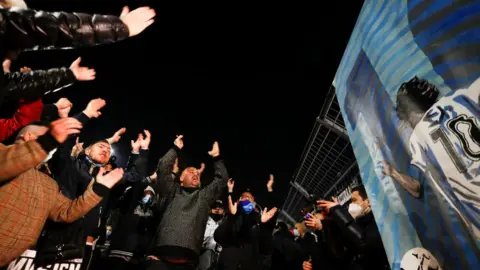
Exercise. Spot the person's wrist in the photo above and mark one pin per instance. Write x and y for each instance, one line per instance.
(88, 113)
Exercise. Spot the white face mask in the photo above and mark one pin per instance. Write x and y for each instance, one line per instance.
(355, 210)
(50, 155)
(147, 198)
(296, 233)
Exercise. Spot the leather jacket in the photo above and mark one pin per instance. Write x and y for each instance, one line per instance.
(27, 29)
(33, 85)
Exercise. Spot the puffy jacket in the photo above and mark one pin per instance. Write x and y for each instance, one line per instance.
(27, 29)
(33, 85)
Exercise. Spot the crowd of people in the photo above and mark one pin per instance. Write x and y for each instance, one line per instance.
(68, 201)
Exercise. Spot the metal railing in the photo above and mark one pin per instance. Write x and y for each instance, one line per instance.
(327, 165)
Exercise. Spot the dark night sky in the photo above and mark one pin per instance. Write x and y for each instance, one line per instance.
(251, 75)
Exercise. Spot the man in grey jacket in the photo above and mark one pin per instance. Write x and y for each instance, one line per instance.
(180, 233)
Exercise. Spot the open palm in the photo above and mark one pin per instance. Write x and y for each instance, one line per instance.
(138, 19)
(267, 215)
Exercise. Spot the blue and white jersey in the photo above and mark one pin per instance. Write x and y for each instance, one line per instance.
(445, 145)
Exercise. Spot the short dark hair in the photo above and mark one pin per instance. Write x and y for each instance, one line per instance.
(416, 95)
(249, 191)
(361, 191)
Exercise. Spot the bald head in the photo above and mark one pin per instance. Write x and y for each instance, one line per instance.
(13, 3)
(32, 132)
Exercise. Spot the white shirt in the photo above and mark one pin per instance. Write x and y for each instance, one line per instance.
(208, 241)
(445, 145)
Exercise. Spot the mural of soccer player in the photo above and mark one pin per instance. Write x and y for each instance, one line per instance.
(445, 145)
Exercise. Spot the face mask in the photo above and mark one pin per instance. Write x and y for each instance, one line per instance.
(147, 199)
(109, 232)
(247, 206)
(296, 233)
(50, 155)
(355, 210)
(93, 163)
(216, 217)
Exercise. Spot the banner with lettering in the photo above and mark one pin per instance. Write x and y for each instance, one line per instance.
(25, 262)
(407, 86)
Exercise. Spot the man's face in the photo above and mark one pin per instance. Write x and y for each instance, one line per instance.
(300, 228)
(357, 199)
(190, 177)
(99, 152)
(218, 211)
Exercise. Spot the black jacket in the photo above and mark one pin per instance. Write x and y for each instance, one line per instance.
(135, 226)
(73, 176)
(34, 84)
(363, 233)
(246, 243)
(22, 29)
(182, 226)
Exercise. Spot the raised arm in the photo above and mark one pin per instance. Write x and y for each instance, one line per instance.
(214, 190)
(20, 157)
(166, 181)
(34, 84)
(137, 168)
(29, 29)
(272, 200)
(66, 210)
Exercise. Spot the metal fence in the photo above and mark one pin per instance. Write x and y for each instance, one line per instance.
(327, 166)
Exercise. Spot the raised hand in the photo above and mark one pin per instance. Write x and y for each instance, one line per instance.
(110, 179)
(270, 183)
(267, 215)
(179, 141)
(232, 207)
(326, 204)
(7, 63)
(145, 141)
(117, 135)
(215, 152)
(138, 19)
(77, 148)
(313, 222)
(307, 265)
(93, 108)
(64, 106)
(335, 200)
(62, 128)
(82, 73)
(230, 185)
(136, 144)
(202, 168)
